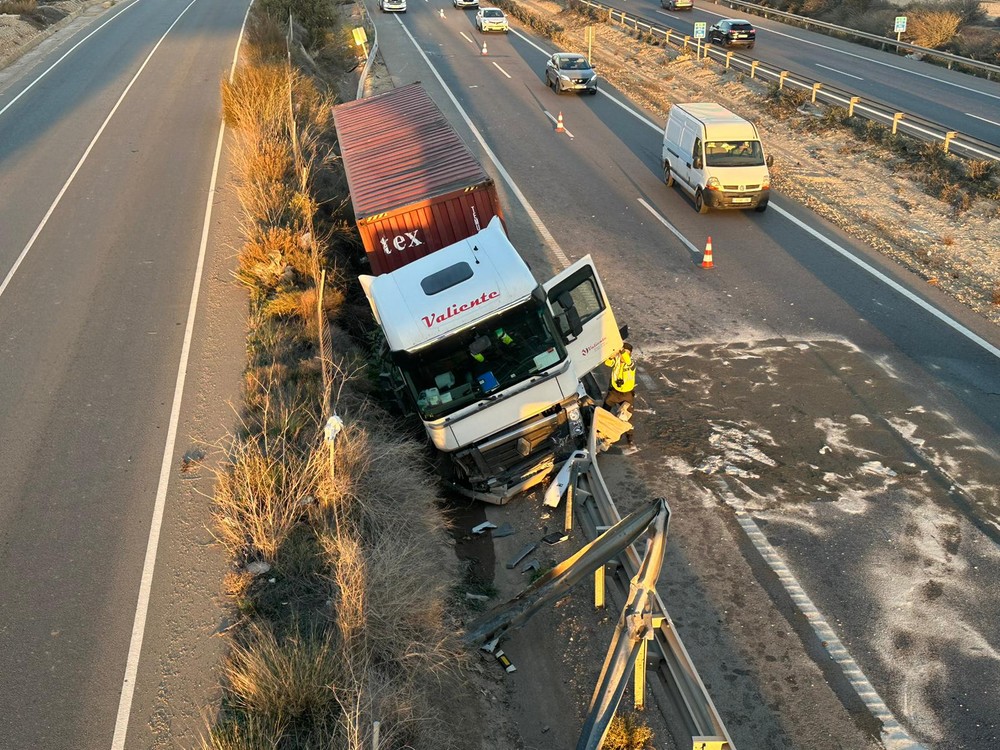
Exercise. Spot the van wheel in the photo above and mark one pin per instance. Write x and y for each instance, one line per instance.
(761, 207)
(699, 203)
(668, 178)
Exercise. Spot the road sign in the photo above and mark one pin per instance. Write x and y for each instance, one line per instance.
(900, 25)
(360, 37)
(699, 29)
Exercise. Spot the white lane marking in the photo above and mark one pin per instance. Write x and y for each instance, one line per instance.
(868, 60)
(555, 122)
(893, 734)
(839, 72)
(502, 70)
(86, 153)
(674, 230)
(943, 317)
(991, 122)
(637, 115)
(66, 54)
(152, 544)
(532, 214)
(669, 15)
(467, 37)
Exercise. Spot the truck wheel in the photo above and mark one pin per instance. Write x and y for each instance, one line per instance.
(699, 203)
(668, 177)
(761, 208)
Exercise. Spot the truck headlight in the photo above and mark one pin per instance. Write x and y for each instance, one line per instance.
(575, 419)
(713, 183)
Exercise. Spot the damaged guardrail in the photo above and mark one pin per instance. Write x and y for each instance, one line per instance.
(871, 109)
(643, 622)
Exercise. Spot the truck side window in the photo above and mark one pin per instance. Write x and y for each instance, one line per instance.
(579, 290)
(696, 154)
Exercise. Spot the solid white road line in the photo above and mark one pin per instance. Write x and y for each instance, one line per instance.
(86, 153)
(502, 70)
(66, 54)
(532, 214)
(991, 122)
(467, 37)
(674, 230)
(152, 544)
(839, 72)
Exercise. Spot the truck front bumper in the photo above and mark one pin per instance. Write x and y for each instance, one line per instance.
(735, 199)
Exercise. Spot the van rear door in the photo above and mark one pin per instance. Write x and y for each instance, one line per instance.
(583, 315)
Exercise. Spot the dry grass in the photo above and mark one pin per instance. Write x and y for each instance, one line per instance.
(18, 7)
(628, 732)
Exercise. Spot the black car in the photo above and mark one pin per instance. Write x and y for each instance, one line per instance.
(732, 32)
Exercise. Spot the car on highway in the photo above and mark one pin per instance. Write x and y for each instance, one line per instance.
(568, 71)
(491, 19)
(392, 6)
(465, 3)
(677, 4)
(733, 32)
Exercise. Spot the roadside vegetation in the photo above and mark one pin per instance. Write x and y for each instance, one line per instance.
(340, 574)
(18, 7)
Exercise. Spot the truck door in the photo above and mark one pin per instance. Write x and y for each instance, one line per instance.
(583, 315)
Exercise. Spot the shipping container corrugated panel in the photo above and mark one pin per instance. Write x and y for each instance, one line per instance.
(397, 148)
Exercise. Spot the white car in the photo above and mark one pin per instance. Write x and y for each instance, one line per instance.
(392, 6)
(491, 19)
(465, 3)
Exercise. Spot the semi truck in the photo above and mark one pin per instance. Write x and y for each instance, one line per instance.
(415, 185)
(493, 362)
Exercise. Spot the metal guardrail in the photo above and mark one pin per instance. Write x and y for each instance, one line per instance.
(689, 699)
(967, 62)
(871, 109)
(367, 21)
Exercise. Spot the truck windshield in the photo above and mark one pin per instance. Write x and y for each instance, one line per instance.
(734, 154)
(482, 360)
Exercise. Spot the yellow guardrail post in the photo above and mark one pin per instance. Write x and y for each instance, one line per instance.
(686, 40)
(816, 87)
(639, 685)
(947, 139)
(599, 588)
(781, 79)
(895, 121)
(850, 107)
(753, 67)
(729, 58)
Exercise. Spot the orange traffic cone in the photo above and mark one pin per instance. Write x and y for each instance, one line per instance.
(484, 48)
(707, 260)
(559, 124)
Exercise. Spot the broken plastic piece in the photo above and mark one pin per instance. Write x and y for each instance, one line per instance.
(555, 537)
(505, 662)
(483, 526)
(505, 529)
(533, 564)
(525, 551)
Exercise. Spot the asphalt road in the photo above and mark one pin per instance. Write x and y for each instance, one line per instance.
(107, 160)
(786, 277)
(964, 103)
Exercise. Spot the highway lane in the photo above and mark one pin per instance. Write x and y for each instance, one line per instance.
(98, 276)
(777, 280)
(962, 102)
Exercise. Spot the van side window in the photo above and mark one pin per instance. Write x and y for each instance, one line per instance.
(696, 153)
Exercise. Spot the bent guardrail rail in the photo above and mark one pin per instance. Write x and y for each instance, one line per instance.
(871, 109)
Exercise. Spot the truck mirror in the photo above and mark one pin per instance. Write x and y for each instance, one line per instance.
(623, 331)
(769, 161)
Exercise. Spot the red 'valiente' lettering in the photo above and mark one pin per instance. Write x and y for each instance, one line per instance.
(453, 310)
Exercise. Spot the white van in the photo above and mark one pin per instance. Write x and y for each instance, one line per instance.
(716, 157)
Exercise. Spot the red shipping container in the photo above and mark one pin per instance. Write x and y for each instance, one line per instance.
(415, 185)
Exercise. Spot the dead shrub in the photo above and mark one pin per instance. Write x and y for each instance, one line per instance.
(933, 28)
(266, 40)
(980, 169)
(301, 303)
(265, 257)
(18, 7)
(628, 732)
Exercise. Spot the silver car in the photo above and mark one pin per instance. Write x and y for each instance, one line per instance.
(568, 71)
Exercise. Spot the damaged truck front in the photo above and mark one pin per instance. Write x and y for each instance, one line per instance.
(492, 361)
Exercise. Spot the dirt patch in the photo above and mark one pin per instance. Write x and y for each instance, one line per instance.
(20, 33)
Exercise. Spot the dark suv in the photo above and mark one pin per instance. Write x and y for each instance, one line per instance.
(731, 32)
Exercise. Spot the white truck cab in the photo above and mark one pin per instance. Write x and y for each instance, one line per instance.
(491, 360)
(716, 157)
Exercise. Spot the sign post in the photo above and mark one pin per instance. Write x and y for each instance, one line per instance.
(899, 27)
(361, 38)
(699, 34)
(589, 35)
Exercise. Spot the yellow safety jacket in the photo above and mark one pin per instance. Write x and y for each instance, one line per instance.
(622, 371)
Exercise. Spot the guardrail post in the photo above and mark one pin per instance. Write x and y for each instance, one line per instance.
(947, 138)
(686, 40)
(753, 67)
(850, 107)
(729, 57)
(816, 87)
(599, 588)
(781, 79)
(895, 121)
(639, 684)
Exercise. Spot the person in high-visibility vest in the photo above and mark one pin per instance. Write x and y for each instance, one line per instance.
(620, 400)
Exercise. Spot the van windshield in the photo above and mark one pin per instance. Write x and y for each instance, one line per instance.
(482, 360)
(734, 154)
